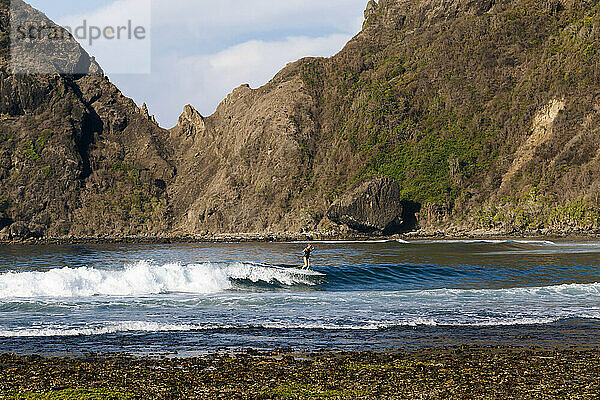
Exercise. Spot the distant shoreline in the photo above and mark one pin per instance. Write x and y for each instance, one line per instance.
(453, 373)
(287, 238)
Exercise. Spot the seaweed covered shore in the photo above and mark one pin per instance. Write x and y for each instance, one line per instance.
(450, 373)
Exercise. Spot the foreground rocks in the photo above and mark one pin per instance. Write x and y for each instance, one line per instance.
(455, 373)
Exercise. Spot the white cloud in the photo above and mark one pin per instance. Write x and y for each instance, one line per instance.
(203, 49)
(111, 34)
(255, 62)
(204, 81)
(114, 12)
(244, 15)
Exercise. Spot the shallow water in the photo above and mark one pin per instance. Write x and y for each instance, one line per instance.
(190, 298)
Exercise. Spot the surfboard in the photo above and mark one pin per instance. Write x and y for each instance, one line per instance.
(297, 269)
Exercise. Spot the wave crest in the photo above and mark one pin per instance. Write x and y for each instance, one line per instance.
(125, 327)
(144, 278)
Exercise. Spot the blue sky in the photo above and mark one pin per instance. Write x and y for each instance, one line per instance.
(201, 50)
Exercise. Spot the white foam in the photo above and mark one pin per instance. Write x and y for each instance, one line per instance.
(416, 322)
(144, 278)
(538, 292)
(118, 327)
(489, 241)
(152, 327)
(346, 241)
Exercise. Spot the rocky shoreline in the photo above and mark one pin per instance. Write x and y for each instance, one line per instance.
(450, 373)
(289, 237)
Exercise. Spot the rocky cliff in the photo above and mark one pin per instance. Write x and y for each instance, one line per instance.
(76, 156)
(484, 113)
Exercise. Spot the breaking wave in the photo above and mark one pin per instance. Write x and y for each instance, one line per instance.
(154, 327)
(486, 241)
(144, 278)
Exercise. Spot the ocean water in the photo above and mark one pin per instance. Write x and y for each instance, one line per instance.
(186, 299)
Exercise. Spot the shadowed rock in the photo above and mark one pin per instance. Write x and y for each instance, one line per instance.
(374, 206)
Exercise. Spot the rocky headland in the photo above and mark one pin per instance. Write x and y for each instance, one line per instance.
(465, 117)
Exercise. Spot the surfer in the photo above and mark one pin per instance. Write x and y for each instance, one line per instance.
(307, 251)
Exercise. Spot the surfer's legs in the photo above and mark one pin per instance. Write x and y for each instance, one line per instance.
(306, 262)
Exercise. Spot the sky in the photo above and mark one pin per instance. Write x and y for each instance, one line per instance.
(197, 51)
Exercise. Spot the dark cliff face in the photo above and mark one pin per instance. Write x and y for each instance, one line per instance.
(76, 156)
(486, 114)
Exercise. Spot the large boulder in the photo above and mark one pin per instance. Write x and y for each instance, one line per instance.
(374, 206)
(19, 230)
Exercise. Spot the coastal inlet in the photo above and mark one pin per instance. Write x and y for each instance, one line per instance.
(185, 299)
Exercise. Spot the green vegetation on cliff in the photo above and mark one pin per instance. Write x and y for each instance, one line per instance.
(444, 108)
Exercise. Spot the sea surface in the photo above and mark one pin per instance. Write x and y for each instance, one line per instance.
(188, 299)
